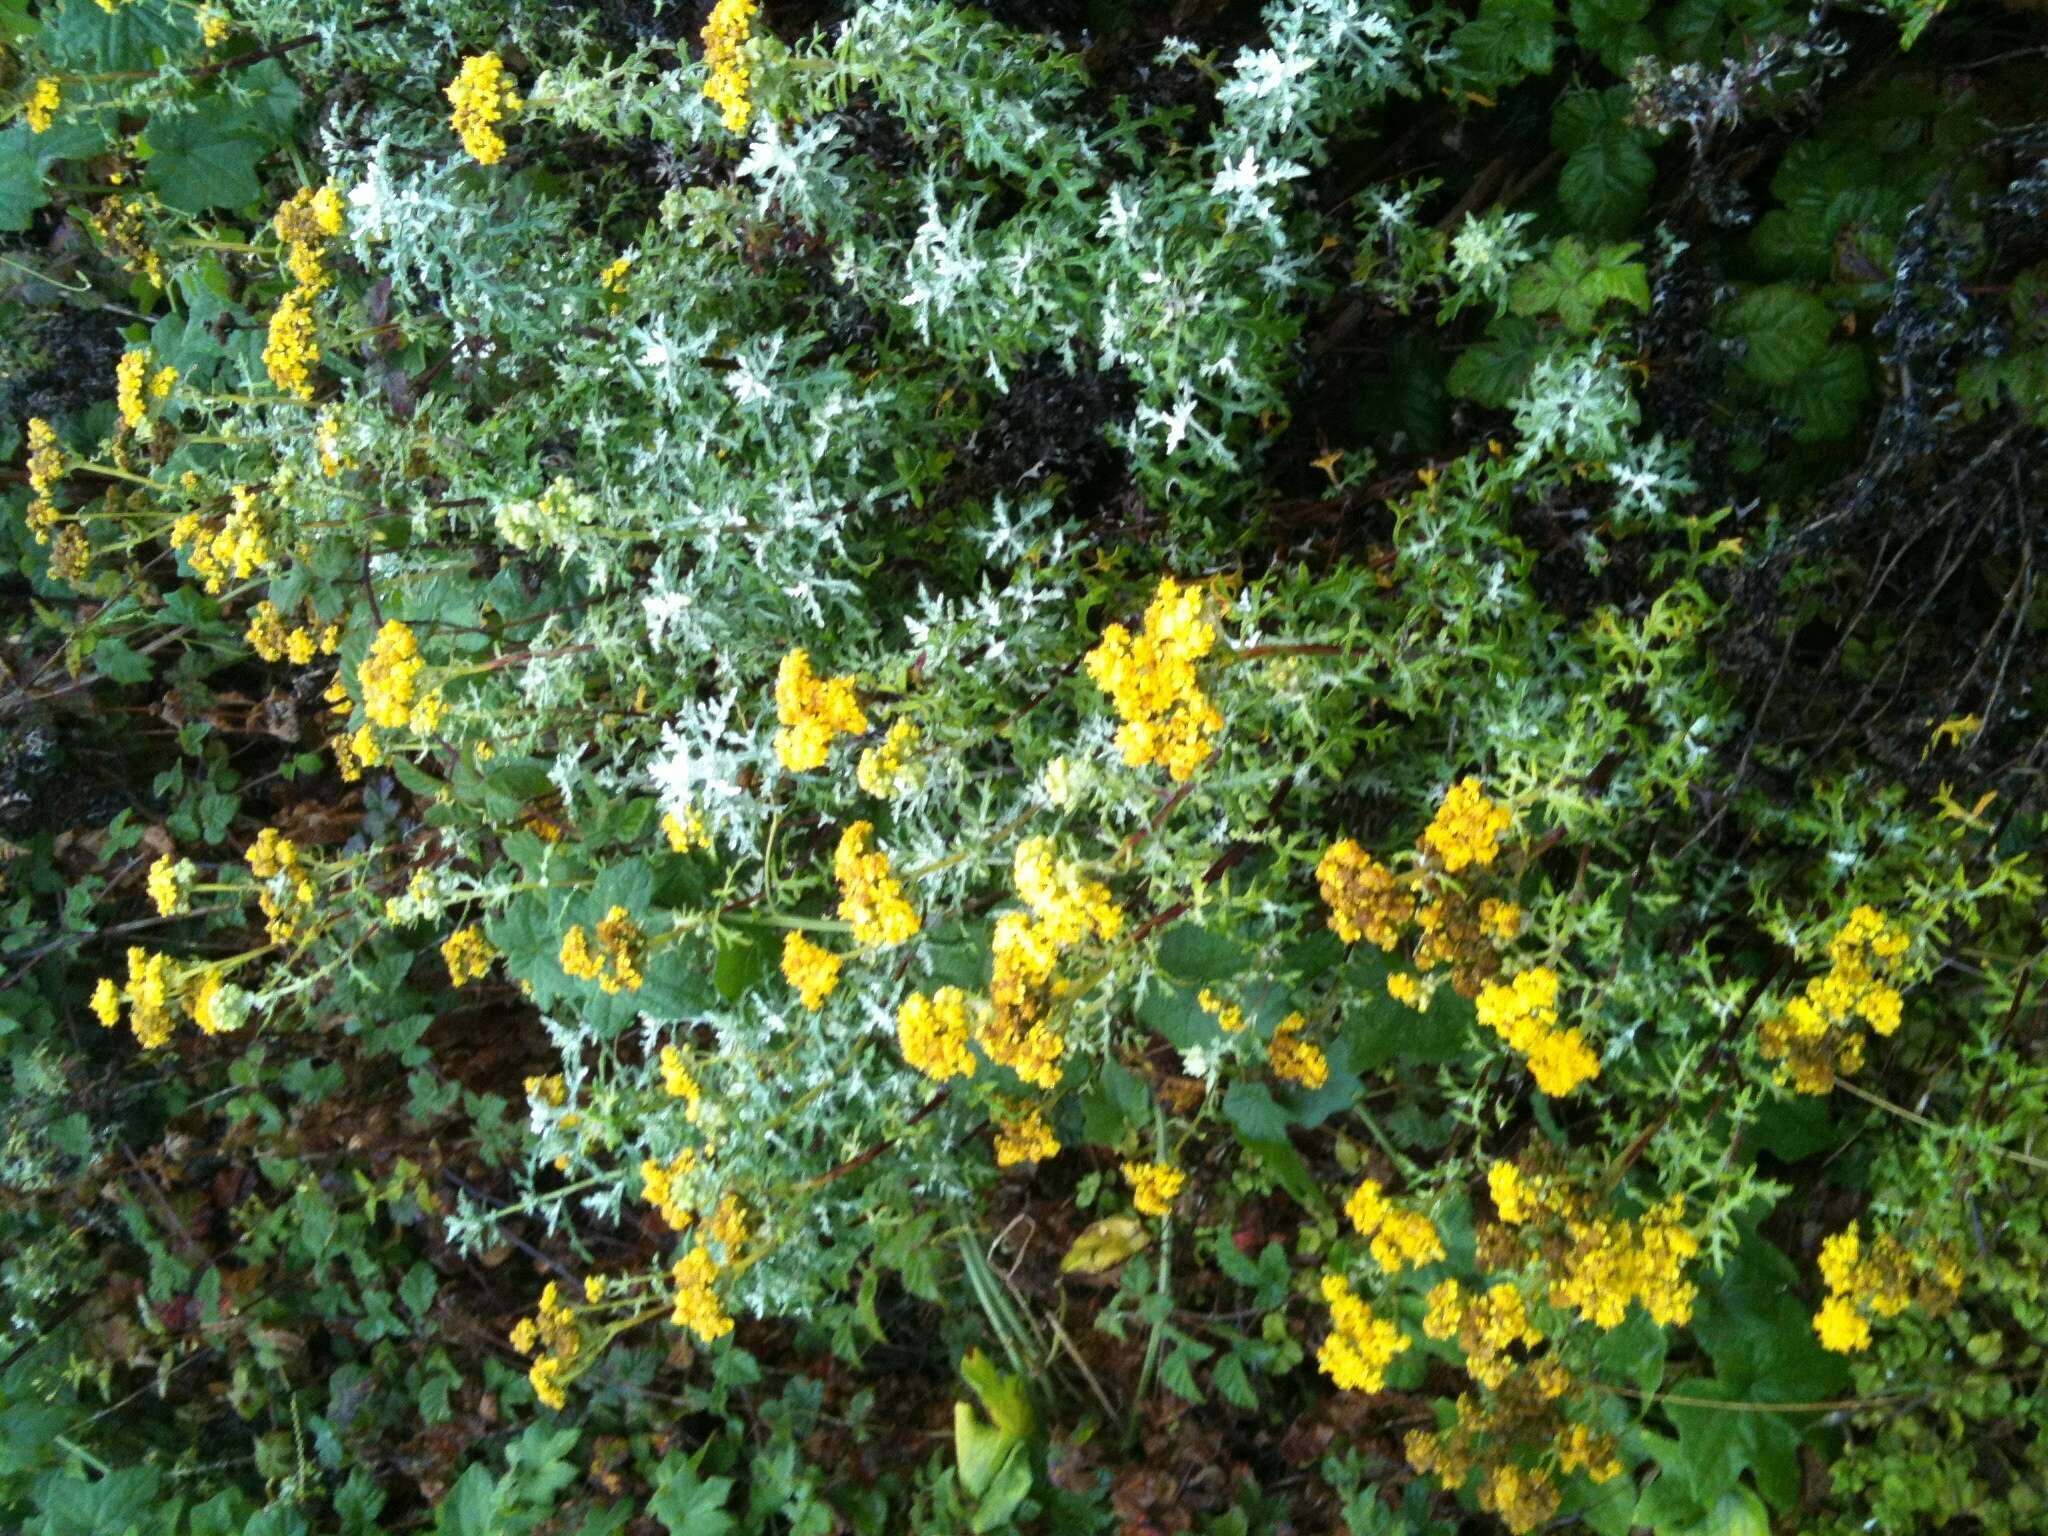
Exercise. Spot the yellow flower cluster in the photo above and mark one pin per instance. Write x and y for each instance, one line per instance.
(119, 223)
(1024, 1138)
(1063, 909)
(1600, 1262)
(1154, 1187)
(45, 457)
(933, 1033)
(135, 386)
(156, 991)
(1614, 1261)
(1364, 900)
(870, 897)
(285, 892)
(1360, 1346)
(468, 955)
(236, 550)
(271, 639)
(552, 1333)
(730, 84)
(1407, 990)
(1401, 1239)
(662, 1186)
(1153, 681)
(304, 223)
(327, 445)
(615, 964)
(1068, 907)
(1580, 1449)
(1879, 1281)
(43, 101)
(1524, 1014)
(810, 968)
(482, 96)
(389, 675)
(613, 278)
(150, 992)
(677, 1080)
(291, 349)
(1819, 1036)
(1294, 1059)
(1228, 1015)
(1487, 1327)
(214, 25)
(271, 854)
(697, 1306)
(1467, 827)
(1486, 1438)
(170, 885)
(812, 710)
(892, 768)
(685, 833)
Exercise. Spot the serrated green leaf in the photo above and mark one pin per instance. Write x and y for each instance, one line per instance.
(207, 157)
(1783, 329)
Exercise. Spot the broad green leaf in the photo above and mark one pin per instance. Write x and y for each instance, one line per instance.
(1784, 331)
(25, 160)
(206, 158)
(689, 1505)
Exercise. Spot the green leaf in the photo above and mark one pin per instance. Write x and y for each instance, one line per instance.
(1613, 29)
(25, 160)
(1784, 330)
(1576, 281)
(1006, 1491)
(117, 661)
(88, 39)
(1252, 1110)
(1177, 1375)
(418, 1288)
(206, 158)
(1493, 371)
(688, 1505)
(1508, 40)
(1193, 953)
(1829, 398)
(1605, 185)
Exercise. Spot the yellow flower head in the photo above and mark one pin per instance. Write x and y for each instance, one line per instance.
(482, 95)
(933, 1033)
(1025, 1139)
(292, 349)
(1467, 827)
(870, 897)
(1364, 899)
(1295, 1059)
(1361, 1346)
(1152, 679)
(170, 885)
(468, 955)
(389, 675)
(1154, 1186)
(812, 711)
(730, 83)
(810, 968)
(685, 833)
(677, 1080)
(43, 102)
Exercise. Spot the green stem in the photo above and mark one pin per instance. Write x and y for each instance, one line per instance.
(1157, 1341)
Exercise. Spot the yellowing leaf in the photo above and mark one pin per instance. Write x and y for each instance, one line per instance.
(1105, 1245)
